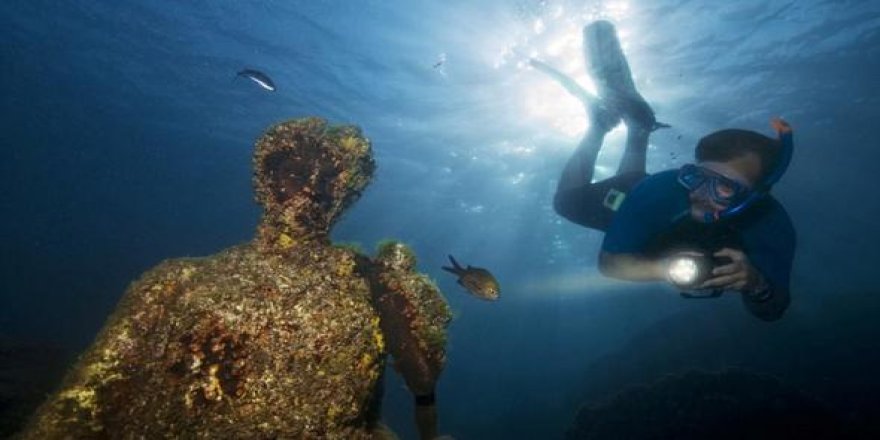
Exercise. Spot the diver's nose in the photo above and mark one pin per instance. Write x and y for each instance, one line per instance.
(700, 193)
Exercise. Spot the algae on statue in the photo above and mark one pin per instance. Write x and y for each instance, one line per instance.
(278, 337)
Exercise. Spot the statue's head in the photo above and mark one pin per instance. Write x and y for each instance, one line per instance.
(306, 174)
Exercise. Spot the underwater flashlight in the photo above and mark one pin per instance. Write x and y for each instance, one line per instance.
(689, 271)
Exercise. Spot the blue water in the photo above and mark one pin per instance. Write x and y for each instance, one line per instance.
(125, 141)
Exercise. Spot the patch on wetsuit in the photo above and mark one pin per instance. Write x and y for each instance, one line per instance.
(613, 199)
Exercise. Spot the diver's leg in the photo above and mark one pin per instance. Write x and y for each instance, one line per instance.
(611, 72)
(634, 158)
(574, 198)
(570, 200)
(613, 78)
(581, 165)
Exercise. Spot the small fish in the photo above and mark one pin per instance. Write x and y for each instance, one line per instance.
(258, 77)
(441, 59)
(479, 282)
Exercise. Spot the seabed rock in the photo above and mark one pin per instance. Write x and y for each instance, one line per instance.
(732, 404)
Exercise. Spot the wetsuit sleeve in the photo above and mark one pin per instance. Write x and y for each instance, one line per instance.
(644, 213)
(770, 246)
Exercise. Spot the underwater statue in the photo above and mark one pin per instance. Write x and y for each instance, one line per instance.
(284, 336)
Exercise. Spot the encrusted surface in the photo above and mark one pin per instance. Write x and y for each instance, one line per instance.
(414, 317)
(276, 338)
(305, 175)
(238, 345)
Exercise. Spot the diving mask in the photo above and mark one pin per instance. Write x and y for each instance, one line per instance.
(721, 189)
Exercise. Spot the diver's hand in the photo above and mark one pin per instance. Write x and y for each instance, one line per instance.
(739, 274)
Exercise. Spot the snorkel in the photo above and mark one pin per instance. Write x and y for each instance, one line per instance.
(784, 132)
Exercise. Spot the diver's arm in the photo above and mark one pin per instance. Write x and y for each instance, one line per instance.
(632, 267)
(566, 81)
(766, 301)
(640, 219)
(772, 256)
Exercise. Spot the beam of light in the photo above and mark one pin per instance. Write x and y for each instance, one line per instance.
(579, 283)
(546, 103)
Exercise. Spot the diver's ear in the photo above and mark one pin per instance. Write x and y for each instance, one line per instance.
(749, 167)
(757, 176)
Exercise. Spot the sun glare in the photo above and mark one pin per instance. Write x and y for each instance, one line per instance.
(549, 104)
(555, 38)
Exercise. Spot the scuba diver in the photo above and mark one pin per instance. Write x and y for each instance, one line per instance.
(708, 227)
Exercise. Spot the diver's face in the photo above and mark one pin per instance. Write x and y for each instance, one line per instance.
(745, 170)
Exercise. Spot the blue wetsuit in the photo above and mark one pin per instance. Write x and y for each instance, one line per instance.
(654, 220)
